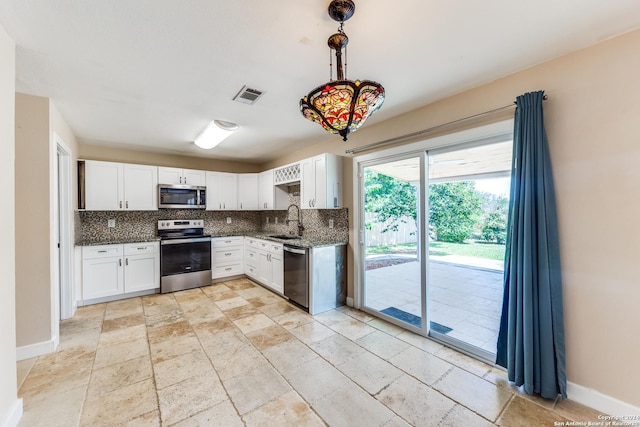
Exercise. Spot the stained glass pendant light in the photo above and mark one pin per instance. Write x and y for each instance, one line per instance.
(342, 106)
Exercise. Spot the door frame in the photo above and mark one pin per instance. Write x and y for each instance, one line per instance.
(63, 303)
(495, 130)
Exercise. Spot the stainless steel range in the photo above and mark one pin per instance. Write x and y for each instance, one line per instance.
(185, 255)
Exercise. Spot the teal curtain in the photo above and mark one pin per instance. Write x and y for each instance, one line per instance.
(531, 337)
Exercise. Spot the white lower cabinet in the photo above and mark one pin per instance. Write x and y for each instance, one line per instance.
(115, 270)
(264, 263)
(141, 266)
(227, 257)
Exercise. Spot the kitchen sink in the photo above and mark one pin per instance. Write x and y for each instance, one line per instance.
(285, 237)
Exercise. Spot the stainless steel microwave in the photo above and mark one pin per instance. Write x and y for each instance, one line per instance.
(181, 196)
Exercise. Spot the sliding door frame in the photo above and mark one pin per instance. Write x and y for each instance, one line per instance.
(422, 242)
(480, 135)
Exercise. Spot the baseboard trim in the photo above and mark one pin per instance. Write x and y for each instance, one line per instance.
(349, 302)
(15, 414)
(34, 350)
(599, 401)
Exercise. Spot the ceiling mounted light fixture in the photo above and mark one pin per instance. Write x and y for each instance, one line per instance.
(216, 132)
(342, 106)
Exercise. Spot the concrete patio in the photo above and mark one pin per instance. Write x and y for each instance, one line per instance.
(466, 298)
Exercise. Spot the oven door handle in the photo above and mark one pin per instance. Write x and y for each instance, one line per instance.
(190, 240)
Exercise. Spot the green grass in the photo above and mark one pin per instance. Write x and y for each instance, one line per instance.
(476, 250)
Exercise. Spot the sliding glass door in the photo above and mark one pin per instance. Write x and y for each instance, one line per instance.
(468, 202)
(393, 278)
(433, 225)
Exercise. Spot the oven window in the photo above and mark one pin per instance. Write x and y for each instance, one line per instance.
(178, 196)
(185, 257)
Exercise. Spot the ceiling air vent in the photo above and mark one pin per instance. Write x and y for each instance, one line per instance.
(248, 95)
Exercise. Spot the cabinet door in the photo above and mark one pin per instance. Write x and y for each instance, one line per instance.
(230, 185)
(307, 184)
(141, 266)
(102, 277)
(104, 186)
(141, 272)
(277, 272)
(319, 171)
(247, 191)
(264, 267)
(221, 191)
(140, 188)
(266, 190)
(193, 177)
(169, 175)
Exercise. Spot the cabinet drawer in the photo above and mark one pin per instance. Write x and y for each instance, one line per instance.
(101, 251)
(221, 242)
(225, 270)
(251, 271)
(141, 248)
(227, 254)
(251, 242)
(275, 248)
(251, 257)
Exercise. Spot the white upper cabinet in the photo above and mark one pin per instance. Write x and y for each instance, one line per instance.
(320, 182)
(266, 190)
(181, 176)
(247, 191)
(222, 191)
(116, 186)
(140, 187)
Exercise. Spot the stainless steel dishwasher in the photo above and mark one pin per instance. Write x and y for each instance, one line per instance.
(296, 274)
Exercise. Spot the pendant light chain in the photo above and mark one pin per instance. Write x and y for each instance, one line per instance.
(341, 106)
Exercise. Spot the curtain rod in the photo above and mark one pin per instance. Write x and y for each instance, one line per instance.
(431, 129)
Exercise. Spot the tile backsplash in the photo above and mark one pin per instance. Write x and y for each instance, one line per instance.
(92, 226)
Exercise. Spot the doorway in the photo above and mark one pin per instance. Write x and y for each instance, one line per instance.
(432, 223)
(62, 223)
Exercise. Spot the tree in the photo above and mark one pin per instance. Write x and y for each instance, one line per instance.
(391, 199)
(494, 224)
(454, 209)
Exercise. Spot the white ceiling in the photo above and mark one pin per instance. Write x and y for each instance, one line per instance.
(150, 74)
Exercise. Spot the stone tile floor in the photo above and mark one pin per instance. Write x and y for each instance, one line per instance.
(465, 298)
(236, 354)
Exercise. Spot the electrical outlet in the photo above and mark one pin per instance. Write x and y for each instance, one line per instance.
(228, 220)
(331, 223)
(111, 223)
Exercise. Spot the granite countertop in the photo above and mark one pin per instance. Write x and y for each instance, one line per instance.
(116, 241)
(305, 242)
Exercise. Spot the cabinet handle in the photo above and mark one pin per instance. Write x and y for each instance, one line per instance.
(126, 261)
(126, 204)
(102, 252)
(227, 254)
(142, 249)
(224, 205)
(227, 241)
(185, 179)
(120, 262)
(228, 269)
(219, 205)
(309, 202)
(240, 205)
(120, 204)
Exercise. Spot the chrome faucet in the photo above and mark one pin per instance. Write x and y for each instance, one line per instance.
(298, 220)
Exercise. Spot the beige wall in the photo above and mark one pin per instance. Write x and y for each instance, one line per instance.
(593, 128)
(9, 408)
(110, 154)
(33, 283)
